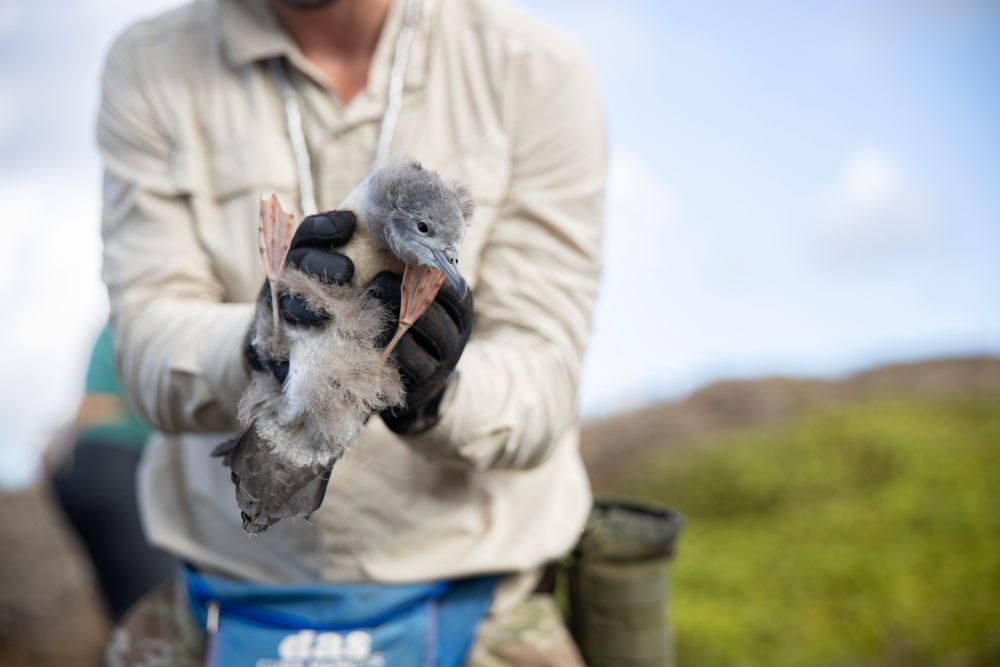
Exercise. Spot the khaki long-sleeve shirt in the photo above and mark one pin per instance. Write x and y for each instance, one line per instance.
(192, 128)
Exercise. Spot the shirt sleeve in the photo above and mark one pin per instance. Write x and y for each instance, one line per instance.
(515, 396)
(179, 343)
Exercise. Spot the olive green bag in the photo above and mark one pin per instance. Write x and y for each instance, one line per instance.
(617, 582)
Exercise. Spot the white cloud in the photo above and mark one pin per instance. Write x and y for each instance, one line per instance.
(50, 289)
(8, 110)
(637, 205)
(50, 95)
(873, 207)
(619, 37)
(54, 303)
(627, 356)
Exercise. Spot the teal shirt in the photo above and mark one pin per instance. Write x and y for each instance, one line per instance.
(104, 414)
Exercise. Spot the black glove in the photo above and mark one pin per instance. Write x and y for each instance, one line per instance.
(427, 354)
(312, 251)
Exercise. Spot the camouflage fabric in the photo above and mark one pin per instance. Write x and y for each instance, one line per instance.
(160, 632)
(531, 634)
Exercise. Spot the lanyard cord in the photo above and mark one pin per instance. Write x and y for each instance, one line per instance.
(394, 95)
(394, 103)
(293, 118)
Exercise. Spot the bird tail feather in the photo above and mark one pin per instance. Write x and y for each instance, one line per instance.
(269, 486)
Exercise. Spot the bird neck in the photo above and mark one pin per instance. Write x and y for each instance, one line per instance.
(375, 229)
(370, 256)
(370, 216)
(370, 233)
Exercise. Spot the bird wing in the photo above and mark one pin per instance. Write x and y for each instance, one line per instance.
(270, 487)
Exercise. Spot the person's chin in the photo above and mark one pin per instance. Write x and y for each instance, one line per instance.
(305, 4)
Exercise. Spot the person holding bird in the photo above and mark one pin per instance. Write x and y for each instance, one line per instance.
(424, 543)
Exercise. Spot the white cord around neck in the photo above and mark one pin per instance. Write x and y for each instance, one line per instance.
(293, 119)
(397, 76)
(393, 105)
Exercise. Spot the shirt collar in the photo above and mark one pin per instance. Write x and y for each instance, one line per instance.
(251, 32)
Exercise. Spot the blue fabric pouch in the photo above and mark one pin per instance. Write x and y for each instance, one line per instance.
(338, 625)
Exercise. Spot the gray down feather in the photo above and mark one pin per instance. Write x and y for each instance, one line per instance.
(296, 432)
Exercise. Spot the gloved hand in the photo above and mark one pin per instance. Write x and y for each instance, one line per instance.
(427, 354)
(312, 251)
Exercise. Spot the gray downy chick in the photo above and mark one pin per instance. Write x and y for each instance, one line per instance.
(408, 220)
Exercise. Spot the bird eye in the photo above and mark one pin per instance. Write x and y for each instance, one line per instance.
(422, 227)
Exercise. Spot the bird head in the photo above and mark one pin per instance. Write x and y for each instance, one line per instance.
(421, 219)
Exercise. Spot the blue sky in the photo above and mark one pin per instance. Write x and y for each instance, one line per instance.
(819, 188)
(795, 188)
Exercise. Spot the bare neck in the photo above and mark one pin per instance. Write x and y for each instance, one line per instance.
(339, 39)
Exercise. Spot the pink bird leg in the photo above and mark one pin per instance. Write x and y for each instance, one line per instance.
(420, 286)
(275, 236)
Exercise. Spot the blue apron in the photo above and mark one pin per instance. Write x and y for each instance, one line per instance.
(338, 625)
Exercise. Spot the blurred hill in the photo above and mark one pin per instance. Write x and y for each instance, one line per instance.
(50, 611)
(857, 532)
(611, 445)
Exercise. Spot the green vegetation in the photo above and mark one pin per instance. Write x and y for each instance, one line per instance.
(864, 536)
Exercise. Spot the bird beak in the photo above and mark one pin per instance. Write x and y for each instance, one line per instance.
(447, 261)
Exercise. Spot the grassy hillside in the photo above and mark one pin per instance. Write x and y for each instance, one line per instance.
(611, 445)
(864, 535)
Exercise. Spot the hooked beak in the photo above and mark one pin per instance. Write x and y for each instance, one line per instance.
(447, 261)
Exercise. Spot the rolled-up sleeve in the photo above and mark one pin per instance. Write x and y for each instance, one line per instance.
(179, 352)
(515, 397)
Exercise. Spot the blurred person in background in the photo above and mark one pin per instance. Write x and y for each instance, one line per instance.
(96, 487)
(205, 107)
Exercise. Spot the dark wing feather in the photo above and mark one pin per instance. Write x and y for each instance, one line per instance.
(269, 487)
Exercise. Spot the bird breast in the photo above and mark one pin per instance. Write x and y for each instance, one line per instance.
(370, 259)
